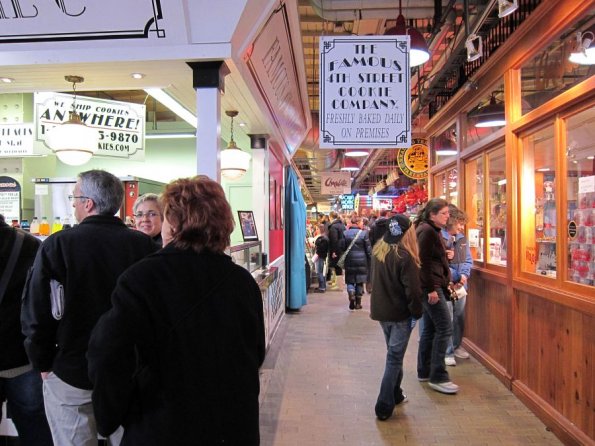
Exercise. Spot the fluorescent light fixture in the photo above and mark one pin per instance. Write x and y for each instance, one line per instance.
(543, 169)
(170, 135)
(137, 75)
(173, 105)
(356, 152)
(446, 152)
(7, 80)
(501, 182)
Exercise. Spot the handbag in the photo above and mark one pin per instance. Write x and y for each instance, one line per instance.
(341, 261)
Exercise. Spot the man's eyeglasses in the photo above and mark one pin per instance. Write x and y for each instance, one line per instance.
(150, 214)
(72, 197)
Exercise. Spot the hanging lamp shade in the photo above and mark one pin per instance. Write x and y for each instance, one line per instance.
(418, 52)
(73, 142)
(584, 52)
(349, 164)
(234, 161)
(492, 115)
(507, 7)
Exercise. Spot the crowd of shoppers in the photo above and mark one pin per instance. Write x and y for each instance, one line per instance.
(119, 338)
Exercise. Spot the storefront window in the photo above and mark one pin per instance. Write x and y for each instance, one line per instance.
(538, 203)
(475, 206)
(580, 175)
(497, 246)
(486, 118)
(555, 69)
(446, 185)
(444, 145)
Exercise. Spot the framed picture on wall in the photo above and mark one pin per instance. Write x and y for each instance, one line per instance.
(248, 226)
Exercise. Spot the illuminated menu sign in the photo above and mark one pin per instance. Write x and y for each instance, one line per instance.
(348, 202)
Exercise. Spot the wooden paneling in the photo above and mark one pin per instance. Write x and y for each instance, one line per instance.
(556, 358)
(488, 320)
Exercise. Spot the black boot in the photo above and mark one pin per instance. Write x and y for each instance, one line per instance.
(351, 299)
(358, 302)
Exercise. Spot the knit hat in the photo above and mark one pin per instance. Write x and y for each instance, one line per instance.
(397, 226)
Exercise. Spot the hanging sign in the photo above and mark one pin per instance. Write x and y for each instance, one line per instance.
(365, 92)
(10, 199)
(121, 125)
(335, 183)
(413, 161)
(61, 20)
(16, 140)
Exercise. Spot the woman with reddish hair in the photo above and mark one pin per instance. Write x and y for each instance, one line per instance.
(176, 360)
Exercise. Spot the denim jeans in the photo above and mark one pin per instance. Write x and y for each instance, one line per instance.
(25, 405)
(396, 335)
(433, 341)
(357, 288)
(458, 325)
(320, 273)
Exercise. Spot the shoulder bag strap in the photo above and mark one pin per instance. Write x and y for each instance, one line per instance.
(12, 261)
(351, 244)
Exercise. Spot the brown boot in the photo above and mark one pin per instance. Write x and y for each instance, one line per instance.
(351, 295)
(358, 302)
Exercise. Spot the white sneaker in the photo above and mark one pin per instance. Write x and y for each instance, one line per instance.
(450, 361)
(460, 352)
(447, 387)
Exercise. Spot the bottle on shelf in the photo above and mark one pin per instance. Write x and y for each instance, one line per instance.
(34, 228)
(66, 223)
(57, 225)
(25, 225)
(15, 223)
(44, 226)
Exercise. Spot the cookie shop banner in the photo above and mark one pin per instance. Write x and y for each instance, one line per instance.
(365, 92)
(121, 125)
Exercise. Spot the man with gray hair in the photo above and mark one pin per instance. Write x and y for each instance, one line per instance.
(70, 286)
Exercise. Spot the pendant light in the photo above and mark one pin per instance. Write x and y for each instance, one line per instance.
(418, 52)
(73, 142)
(492, 115)
(234, 161)
(584, 53)
(349, 164)
(507, 7)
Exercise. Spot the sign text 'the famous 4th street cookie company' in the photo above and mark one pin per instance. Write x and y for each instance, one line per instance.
(365, 97)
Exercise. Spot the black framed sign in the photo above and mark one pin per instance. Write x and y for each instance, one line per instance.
(248, 226)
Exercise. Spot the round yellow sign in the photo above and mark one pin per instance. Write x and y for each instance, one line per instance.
(413, 161)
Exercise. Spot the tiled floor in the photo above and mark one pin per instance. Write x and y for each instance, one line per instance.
(321, 377)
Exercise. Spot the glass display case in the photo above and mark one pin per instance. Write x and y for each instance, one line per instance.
(497, 207)
(475, 206)
(248, 255)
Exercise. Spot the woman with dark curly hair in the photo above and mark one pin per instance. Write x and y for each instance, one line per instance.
(176, 360)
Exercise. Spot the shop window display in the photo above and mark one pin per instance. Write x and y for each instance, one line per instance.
(580, 175)
(446, 185)
(474, 199)
(444, 145)
(538, 203)
(497, 243)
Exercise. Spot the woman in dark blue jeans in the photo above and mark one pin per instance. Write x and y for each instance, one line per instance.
(434, 277)
(395, 304)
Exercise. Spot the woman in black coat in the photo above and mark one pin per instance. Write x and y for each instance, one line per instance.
(176, 360)
(357, 261)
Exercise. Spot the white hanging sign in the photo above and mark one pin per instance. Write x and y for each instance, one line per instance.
(121, 125)
(335, 183)
(365, 92)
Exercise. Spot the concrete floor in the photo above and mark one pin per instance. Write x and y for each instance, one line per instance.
(322, 374)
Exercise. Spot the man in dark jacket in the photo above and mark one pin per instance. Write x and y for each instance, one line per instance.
(73, 277)
(336, 239)
(20, 385)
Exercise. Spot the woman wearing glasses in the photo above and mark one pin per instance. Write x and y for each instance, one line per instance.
(148, 216)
